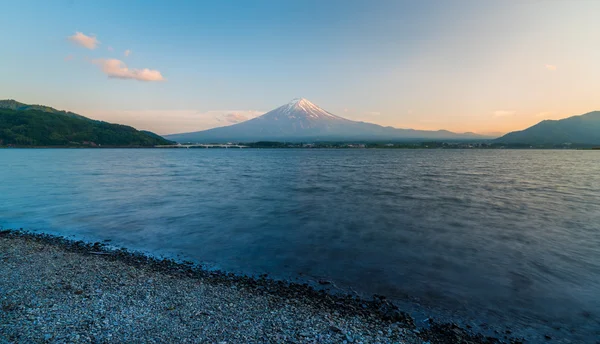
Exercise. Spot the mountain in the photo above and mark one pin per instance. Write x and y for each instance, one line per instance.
(578, 130)
(38, 125)
(12, 104)
(301, 120)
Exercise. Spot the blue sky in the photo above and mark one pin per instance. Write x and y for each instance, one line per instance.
(462, 65)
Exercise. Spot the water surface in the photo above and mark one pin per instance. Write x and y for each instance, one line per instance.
(508, 237)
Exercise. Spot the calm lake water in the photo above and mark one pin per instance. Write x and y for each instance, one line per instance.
(508, 237)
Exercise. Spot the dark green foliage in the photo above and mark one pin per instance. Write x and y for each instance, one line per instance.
(37, 127)
(267, 144)
(15, 105)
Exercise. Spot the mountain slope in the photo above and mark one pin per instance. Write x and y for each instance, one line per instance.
(301, 120)
(12, 104)
(32, 126)
(583, 130)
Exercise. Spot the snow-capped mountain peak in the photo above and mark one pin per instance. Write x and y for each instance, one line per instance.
(301, 120)
(299, 108)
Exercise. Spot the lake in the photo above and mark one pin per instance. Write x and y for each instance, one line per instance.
(507, 237)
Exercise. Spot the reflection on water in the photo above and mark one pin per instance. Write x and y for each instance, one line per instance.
(508, 235)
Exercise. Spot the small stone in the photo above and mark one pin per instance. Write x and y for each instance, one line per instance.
(335, 329)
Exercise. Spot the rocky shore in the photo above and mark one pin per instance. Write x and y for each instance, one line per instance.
(54, 290)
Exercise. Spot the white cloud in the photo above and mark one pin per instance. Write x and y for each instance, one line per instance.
(550, 67)
(234, 117)
(172, 121)
(110, 49)
(127, 52)
(118, 69)
(503, 113)
(89, 42)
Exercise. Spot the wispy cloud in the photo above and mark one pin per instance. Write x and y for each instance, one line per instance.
(68, 58)
(503, 113)
(110, 49)
(550, 67)
(118, 69)
(89, 42)
(127, 52)
(172, 121)
(235, 117)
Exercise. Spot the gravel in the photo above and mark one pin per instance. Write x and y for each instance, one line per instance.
(53, 290)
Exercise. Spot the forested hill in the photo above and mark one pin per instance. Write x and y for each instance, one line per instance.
(15, 105)
(575, 130)
(35, 125)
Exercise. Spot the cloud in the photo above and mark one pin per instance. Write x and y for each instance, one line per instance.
(89, 42)
(550, 67)
(68, 57)
(503, 113)
(127, 52)
(118, 69)
(234, 117)
(373, 113)
(110, 49)
(172, 121)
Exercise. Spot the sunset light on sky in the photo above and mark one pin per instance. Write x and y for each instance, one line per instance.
(176, 66)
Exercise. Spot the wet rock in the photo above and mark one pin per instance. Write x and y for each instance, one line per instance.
(335, 329)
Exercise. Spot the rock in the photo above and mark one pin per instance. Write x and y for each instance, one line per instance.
(335, 329)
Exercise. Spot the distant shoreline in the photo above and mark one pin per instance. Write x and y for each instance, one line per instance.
(316, 147)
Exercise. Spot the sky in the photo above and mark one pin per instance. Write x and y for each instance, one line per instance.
(180, 66)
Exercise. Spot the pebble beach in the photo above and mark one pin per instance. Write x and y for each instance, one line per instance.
(53, 290)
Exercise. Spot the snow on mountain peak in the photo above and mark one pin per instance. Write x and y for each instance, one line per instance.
(304, 108)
